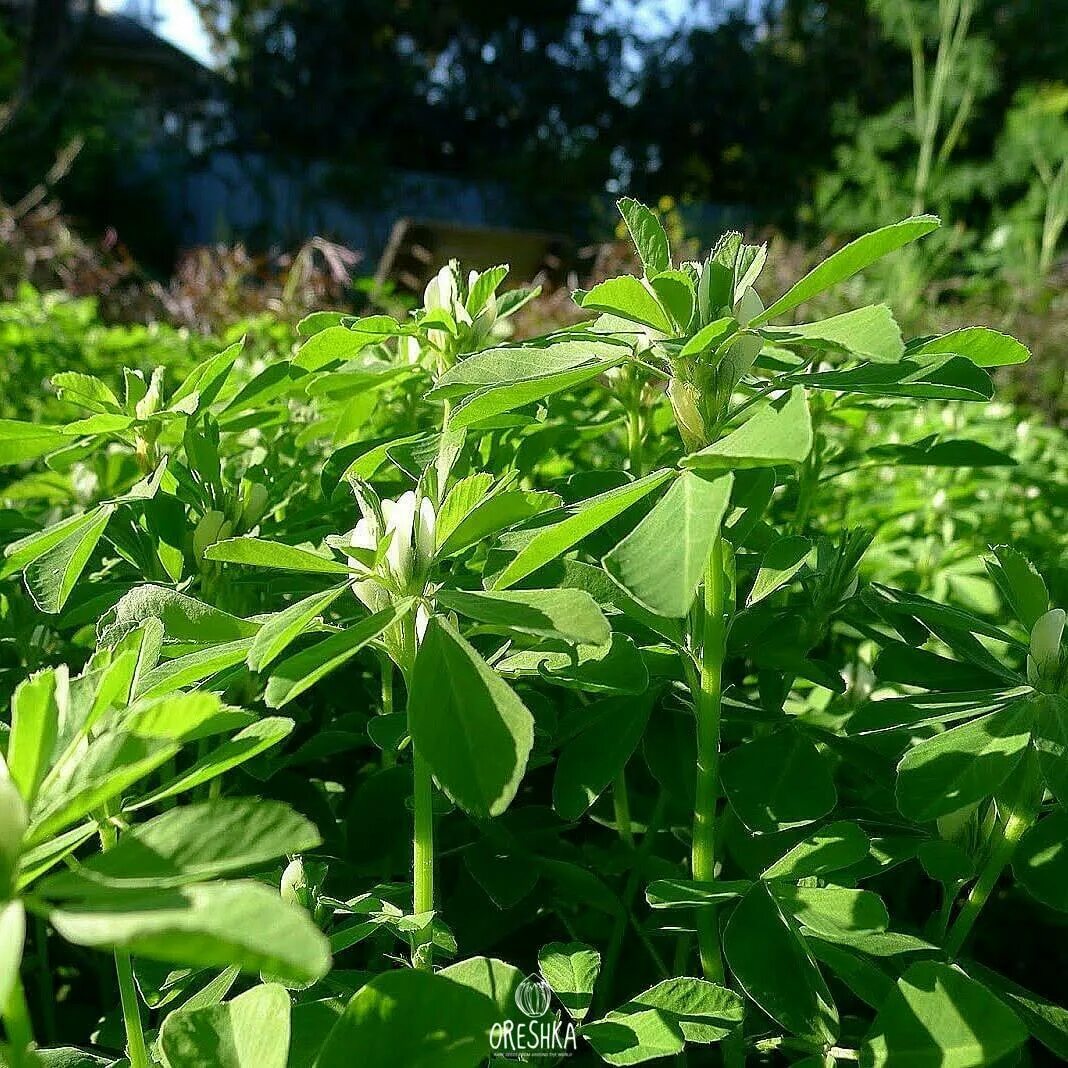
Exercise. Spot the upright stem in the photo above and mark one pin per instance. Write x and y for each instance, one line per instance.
(422, 853)
(708, 704)
(621, 803)
(131, 1009)
(17, 1024)
(1000, 855)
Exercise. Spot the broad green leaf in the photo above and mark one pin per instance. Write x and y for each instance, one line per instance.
(569, 615)
(963, 765)
(571, 969)
(467, 723)
(833, 911)
(705, 1012)
(938, 1016)
(184, 618)
(20, 442)
(674, 290)
(243, 746)
(35, 725)
(847, 261)
(626, 297)
(461, 500)
(547, 543)
(867, 333)
(685, 893)
(935, 452)
(411, 1018)
(778, 781)
(861, 975)
(1050, 738)
(272, 554)
(634, 1037)
(251, 1031)
(1041, 861)
(1046, 1022)
(192, 843)
(942, 378)
(588, 764)
(208, 377)
(298, 673)
(770, 437)
(662, 561)
(13, 821)
(497, 399)
(215, 925)
(647, 234)
(831, 848)
(1020, 584)
(773, 966)
(50, 577)
(192, 668)
(985, 348)
(781, 561)
(499, 512)
(709, 336)
(87, 391)
(621, 670)
(332, 344)
(282, 629)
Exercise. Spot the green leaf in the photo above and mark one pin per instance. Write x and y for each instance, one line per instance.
(831, 848)
(963, 765)
(499, 512)
(50, 577)
(411, 1018)
(330, 345)
(626, 297)
(246, 744)
(35, 717)
(467, 723)
(547, 543)
(772, 436)
(1046, 1022)
(1020, 584)
(662, 561)
(634, 1037)
(569, 615)
(216, 925)
(1050, 738)
(192, 668)
(985, 348)
(193, 843)
(869, 333)
(935, 452)
(1041, 861)
(647, 234)
(208, 377)
(283, 628)
(571, 969)
(300, 672)
(953, 378)
(938, 1016)
(705, 1012)
(847, 261)
(833, 911)
(778, 781)
(712, 335)
(251, 1031)
(773, 966)
(87, 391)
(20, 442)
(674, 290)
(685, 893)
(588, 764)
(272, 554)
(781, 561)
(184, 618)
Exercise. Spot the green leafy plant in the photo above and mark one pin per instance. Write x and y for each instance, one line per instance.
(631, 710)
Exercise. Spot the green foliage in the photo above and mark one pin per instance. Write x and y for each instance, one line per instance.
(648, 686)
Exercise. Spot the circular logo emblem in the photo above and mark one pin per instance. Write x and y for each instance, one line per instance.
(532, 996)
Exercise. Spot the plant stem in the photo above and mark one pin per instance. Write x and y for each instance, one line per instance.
(1000, 855)
(621, 804)
(708, 702)
(422, 854)
(17, 1024)
(131, 1011)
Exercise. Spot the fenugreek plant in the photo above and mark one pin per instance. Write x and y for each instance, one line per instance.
(608, 735)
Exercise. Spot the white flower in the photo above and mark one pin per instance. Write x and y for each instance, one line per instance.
(411, 526)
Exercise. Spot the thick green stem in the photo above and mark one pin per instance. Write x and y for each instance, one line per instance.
(422, 854)
(1000, 855)
(17, 1024)
(708, 703)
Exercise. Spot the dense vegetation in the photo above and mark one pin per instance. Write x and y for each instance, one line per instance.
(685, 682)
